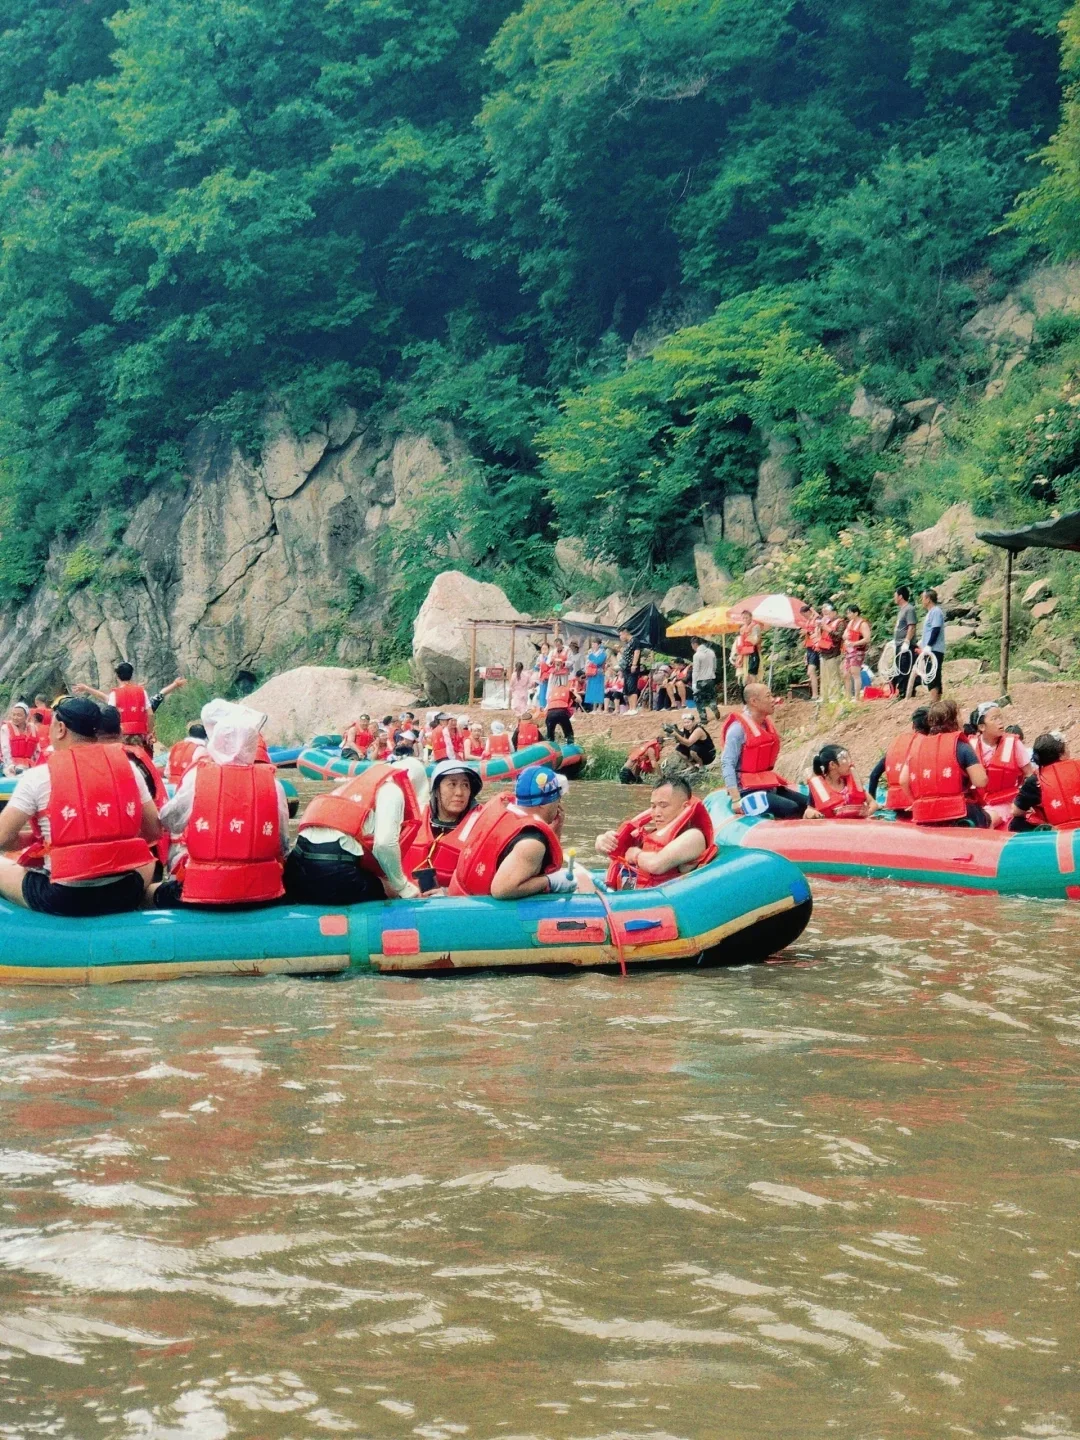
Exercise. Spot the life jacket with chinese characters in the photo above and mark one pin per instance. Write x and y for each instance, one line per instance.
(497, 745)
(843, 804)
(347, 809)
(1060, 787)
(181, 758)
(760, 751)
(130, 700)
(938, 782)
(636, 832)
(1004, 772)
(439, 850)
(95, 814)
(156, 785)
(896, 757)
(485, 838)
(527, 734)
(745, 644)
(233, 838)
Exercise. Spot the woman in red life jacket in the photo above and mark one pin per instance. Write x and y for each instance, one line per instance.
(18, 742)
(432, 856)
(1051, 794)
(510, 847)
(642, 761)
(526, 732)
(41, 720)
(892, 763)
(95, 817)
(185, 753)
(233, 818)
(475, 742)
(559, 702)
(352, 842)
(943, 774)
(498, 741)
(856, 643)
(357, 738)
(669, 840)
(834, 791)
(1004, 757)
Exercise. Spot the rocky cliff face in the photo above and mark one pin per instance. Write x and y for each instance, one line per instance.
(238, 570)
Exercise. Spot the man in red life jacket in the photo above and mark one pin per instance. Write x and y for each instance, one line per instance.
(665, 842)
(41, 720)
(751, 748)
(96, 819)
(559, 701)
(18, 742)
(526, 732)
(135, 705)
(358, 737)
(642, 761)
(892, 763)
(233, 820)
(352, 842)
(1051, 795)
(510, 848)
(185, 753)
(943, 774)
(109, 733)
(432, 856)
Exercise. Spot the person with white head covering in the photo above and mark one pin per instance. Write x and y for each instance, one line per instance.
(498, 741)
(18, 743)
(474, 740)
(232, 817)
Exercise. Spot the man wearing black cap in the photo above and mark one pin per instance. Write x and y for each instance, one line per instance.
(95, 815)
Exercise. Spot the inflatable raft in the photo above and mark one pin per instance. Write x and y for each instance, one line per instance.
(284, 756)
(742, 907)
(325, 762)
(1042, 866)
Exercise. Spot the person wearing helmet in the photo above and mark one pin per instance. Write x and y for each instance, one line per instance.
(433, 854)
(510, 847)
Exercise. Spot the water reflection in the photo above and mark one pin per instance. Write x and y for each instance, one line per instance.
(835, 1193)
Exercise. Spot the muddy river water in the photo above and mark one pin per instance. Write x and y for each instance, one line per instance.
(835, 1194)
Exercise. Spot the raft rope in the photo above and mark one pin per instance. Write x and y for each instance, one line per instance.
(613, 930)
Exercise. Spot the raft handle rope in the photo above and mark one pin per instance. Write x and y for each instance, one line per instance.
(613, 929)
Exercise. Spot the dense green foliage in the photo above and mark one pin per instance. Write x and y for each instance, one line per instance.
(463, 212)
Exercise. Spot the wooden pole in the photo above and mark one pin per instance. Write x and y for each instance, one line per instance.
(1006, 622)
(723, 662)
(472, 665)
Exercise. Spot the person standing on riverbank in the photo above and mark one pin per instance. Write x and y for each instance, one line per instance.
(904, 640)
(856, 644)
(933, 641)
(630, 666)
(827, 639)
(703, 678)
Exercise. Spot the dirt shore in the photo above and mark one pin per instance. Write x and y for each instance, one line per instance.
(865, 729)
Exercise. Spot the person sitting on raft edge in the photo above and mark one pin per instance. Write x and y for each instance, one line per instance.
(835, 791)
(435, 849)
(510, 847)
(1051, 796)
(96, 819)
(751, 747)
(670, 839)
(942, 773)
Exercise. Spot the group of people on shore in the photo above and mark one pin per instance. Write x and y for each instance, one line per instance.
(602, 676)
(837, 647)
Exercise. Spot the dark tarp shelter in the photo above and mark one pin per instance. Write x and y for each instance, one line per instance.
(648, 626)
(1062, 533)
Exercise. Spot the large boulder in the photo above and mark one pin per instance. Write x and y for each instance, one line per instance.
(880, 420)
(442, 635)
(776, 478)
(713, 581)
(1007, 327)
(740, 520)
(322, 699)
(681, 600)
(574, 564)
(953, 537)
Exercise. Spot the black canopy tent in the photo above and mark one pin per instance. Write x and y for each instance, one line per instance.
(1060, 533)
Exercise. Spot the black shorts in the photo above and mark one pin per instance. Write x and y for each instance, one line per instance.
(753, 663)
(82, 901)
(327, 875)
(813, 659)
(170, 896)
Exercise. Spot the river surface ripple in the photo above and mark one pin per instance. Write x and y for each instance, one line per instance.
(833, 1194)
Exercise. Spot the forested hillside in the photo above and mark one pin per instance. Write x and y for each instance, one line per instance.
(621, 249)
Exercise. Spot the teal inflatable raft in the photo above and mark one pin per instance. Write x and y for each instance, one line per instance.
(325, 762)
(742, 907)
(1044, 865)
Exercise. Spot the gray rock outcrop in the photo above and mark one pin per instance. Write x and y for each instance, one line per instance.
(323, 699)
(442, 635)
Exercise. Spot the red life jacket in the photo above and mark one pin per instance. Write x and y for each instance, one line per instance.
(485, 838)
(440, 744)
(1060, 786)
(939, 784)
(646, 757)
(362, 740)
(23, 745)
(95, 814)
(180, 758)
(498, 745)
(527, 734)
(471, 750)
(759, 753)
(896, 757)
(41, 718)
(635, 832)
(744, 645)
(348, 807)
(233, 838)
(441, 851)
(130, 700)
(845, 804)
(156, 785)
(262, 754)
(558, 696)
(1004, 772)
(825, 638)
